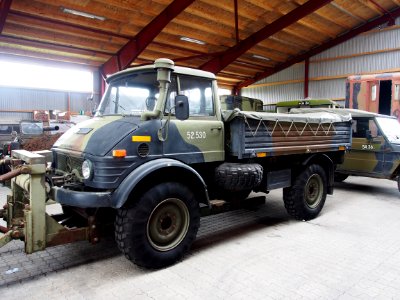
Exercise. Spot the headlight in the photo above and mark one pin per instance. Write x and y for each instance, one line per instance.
(87, 169)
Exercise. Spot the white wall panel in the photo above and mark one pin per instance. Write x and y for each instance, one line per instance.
(292, 73)
(355, 65)
(12, 98)
(334, 88)
(16, 116)
(276, 93)
(327, 89)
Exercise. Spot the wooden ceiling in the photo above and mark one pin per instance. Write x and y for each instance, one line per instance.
(240, 40)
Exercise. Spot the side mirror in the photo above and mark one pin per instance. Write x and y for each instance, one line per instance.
(181, 107)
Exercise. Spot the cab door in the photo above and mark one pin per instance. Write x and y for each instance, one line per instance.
(367, 151)
(200, 138)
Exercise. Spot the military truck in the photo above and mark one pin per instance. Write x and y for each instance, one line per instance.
(375, 148)
(230, 102)
(286, 106)
(159, 153)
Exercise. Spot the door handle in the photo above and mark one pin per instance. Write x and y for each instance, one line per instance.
(217, 128)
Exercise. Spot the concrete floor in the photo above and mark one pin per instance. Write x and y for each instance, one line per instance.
(351, 251)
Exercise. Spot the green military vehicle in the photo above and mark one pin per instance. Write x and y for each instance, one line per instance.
(375, 148)
(160, 152)
(286, 106)
(230, 102)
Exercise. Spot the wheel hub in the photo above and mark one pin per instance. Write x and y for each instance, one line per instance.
(168, 224)
(313, 190)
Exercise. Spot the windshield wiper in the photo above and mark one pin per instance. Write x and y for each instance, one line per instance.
(119, 104)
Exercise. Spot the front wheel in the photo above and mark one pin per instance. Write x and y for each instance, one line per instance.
(159, 228)
(306, 197)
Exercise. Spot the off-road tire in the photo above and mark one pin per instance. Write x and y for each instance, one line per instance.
(339, 177)
(238, 177)
(159, 228)
(306, 197)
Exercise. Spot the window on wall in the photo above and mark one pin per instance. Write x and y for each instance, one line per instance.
(373, 92)
(45, 77)
(397, 91)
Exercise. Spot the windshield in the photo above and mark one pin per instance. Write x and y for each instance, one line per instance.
(130, 95)
(391, 128)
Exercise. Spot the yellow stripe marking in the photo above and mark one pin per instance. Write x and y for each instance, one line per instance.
(141, 138)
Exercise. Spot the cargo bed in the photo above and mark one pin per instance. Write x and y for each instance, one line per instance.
(259, 134)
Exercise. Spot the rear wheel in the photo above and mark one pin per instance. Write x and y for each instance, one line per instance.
(306, 197)
(159, 228)
(339, 177)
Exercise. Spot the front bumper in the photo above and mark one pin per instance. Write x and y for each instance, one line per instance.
(81, 199)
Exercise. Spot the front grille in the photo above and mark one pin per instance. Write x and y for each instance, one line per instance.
(67, 163)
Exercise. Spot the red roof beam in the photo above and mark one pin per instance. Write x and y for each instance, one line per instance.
(4, 9)
(219, 63)
(128, 53)
(385, 11)
(336, 41)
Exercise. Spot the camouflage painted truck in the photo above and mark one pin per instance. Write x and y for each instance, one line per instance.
(375, 148)
(158, 154)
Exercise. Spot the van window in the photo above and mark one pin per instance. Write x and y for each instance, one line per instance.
(361, 126)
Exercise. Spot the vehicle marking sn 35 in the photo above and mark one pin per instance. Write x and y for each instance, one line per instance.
(367, 147)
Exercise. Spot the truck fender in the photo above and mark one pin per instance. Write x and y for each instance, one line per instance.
(325, 160)
(122, 193)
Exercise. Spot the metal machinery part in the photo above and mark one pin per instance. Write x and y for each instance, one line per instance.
(25, 210)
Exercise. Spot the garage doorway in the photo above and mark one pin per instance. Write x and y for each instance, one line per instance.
(385, 97)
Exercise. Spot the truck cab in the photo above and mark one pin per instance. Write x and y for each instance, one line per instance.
(375, 147)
